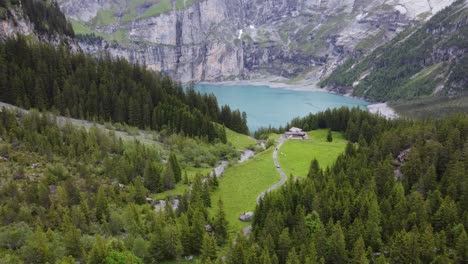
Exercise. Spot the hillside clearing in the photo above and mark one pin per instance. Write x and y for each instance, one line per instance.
(295, 155)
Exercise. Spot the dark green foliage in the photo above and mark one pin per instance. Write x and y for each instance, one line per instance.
(74, 209)
(44, 14)
(355, 123)
(106, 89)
(329, 136)
(221, 225)
(362, 210)
(208, 249)
(174, 163)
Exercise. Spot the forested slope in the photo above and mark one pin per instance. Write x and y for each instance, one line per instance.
(42, 76)
(68, 195)
(44, 15)
(400, 195)
(421, 61)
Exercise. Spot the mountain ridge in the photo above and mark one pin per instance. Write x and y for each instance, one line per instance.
(217, 40)
(424, 61)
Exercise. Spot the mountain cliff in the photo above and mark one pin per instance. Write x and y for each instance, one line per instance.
(41, 20)
(425, 61)
(214, 40)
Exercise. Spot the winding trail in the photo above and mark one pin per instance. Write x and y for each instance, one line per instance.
(278, 168)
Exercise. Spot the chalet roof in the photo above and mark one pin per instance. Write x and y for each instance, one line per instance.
(295, 129)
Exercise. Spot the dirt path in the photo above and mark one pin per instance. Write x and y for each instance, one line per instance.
(278, 168)
(142, 136)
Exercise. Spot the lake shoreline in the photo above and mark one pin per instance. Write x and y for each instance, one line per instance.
(271, 84)
(380, 108)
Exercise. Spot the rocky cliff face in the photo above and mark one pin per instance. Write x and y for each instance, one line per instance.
(15, 20)
(424, 61)
(214, 40)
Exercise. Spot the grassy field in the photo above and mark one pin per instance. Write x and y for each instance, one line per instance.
(80, 27)
(295, 155)
(239, 141)
(180, 188)
(162, 7)
(241, 185)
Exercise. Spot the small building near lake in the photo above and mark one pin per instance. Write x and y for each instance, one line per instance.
(296, 133)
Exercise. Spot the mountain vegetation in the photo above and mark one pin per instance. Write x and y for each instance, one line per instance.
(422, 61)
(69, 195)
(41, 76)
(398, 194)
(44, 14)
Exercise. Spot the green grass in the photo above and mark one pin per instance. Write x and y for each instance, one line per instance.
(182, 4)
(180, 188)
(105, 17)
(241, 185)
(80, 28)
(371, 42)
(295, 155)
(274, 136)
(121, 36)
(162, 7)
(239, 141)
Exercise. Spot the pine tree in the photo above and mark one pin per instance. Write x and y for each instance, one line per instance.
(102, 207)
(36, 249)
(172, 246)
(174, 163)
(139, 191)
(206, 194)
(373, 225)
(284, 245)
(265, 257)
(85, 210)
(359, 252)
(72, 239)
(168, 178)
(140, 247)
(336, 246)
(208, 248)
(152, 177)
(43, 195)
(99, 252)
(186, 180)
(221, 224)
(293, 258)
(329, 136)
(197, 231)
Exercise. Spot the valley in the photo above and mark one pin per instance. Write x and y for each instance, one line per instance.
(233, 132)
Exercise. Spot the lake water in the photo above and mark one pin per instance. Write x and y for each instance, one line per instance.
(271, 106)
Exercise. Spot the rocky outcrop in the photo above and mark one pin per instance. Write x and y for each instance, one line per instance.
(216, 40)
(15, 23)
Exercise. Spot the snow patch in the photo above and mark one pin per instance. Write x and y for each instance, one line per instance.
(241, 31)
(361, 16)
(401, 9)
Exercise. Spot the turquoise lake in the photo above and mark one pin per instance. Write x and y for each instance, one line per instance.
(272, 106)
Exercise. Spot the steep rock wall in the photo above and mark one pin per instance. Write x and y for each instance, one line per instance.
(216, 40)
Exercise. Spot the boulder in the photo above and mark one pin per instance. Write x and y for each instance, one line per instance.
(246, 217)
